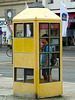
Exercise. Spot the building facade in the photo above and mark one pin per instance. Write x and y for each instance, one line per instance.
(54, 5)
(10, 8)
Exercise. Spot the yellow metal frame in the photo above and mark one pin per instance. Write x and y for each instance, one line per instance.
(24, 58)
(53, 88)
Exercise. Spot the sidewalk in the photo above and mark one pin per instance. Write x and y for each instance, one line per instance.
(6, 91)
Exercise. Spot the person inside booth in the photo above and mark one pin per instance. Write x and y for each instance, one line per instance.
(45, 57)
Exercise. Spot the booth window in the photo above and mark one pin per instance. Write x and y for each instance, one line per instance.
(19, 74)
(24, 75)
(23, 30)
(29, 75)
(19, 30)
(49, 52)
(28, 30)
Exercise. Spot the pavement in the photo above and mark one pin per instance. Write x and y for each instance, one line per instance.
(6, 85)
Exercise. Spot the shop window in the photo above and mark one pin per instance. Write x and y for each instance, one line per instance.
(72, 0)
(24, 75)
(50, 1)
(49, 52)
(23, 30)
(69, 40)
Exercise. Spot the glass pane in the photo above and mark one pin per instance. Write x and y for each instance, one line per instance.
(19, 30)
(55, 59)
(44, 29)
(55, 74)
(29, 75)
(19, 74)
(55, 29)
(28, 28)
(44, 75)
(44, 60)
(44, 45)
(40, 60)
(55, 43)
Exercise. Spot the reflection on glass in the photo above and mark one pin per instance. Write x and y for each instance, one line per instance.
(49, 57)
(29, 75)
(20, 74)
(55, 59)
(23, 30)
(55, 43)
(19, 30)
(44, 29)
(54, 30)
(24, 75)
(28, 28)
(55, 74)
(40, 60)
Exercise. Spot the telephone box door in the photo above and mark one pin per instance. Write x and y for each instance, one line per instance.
(49, 57)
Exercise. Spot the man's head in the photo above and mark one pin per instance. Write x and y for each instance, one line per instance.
(45, 40)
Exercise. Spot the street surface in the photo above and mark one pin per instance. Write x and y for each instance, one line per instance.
(6, 73)
(6, 69)
(69, 66)
(6, 76)
(69, 69)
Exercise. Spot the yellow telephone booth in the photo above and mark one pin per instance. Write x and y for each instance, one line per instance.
(33, 28)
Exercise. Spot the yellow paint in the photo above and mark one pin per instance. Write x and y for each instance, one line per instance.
(61, 67)
(18, 45)
(36, 14)
(21, 89)
(28, 45)
(18, 59)
(49, 89)
(29, 61)
(26, 54)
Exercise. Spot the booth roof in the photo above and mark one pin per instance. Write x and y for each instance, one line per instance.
(31, 14)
